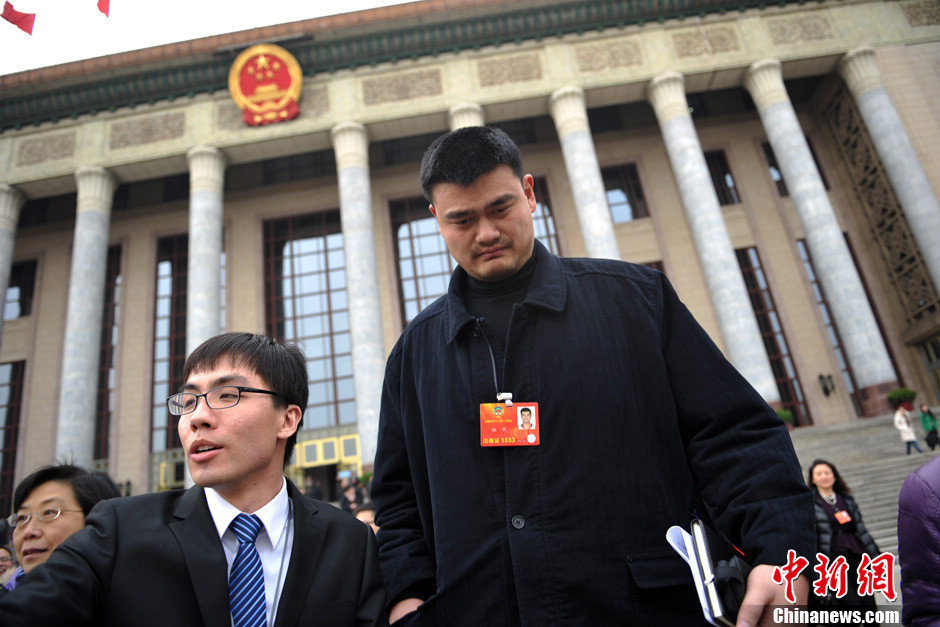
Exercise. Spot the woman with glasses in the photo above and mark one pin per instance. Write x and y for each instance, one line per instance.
(50, 505)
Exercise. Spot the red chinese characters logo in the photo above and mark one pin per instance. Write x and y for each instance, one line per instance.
(831, 577)
(874, 575)
(790, 571)
(265, 82)
(877, 575)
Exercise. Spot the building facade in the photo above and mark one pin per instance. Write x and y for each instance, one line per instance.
(780, 163)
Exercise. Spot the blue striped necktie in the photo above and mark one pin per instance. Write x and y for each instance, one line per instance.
(246, 581)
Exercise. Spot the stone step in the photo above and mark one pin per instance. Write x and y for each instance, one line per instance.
(870, 456)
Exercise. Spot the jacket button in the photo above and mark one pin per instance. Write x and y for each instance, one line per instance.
(476, 332)
(518, 522)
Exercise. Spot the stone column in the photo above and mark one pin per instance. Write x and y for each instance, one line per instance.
(466, 114)
(11, 201)
(584, 173)
(75, 436)
(729, 296)
(351, 147)
(905, 171)
(864, 346)
(204, 273)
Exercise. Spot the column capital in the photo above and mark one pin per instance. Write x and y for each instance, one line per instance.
(95, 189)
(568, 110)
(666, 93)
(206, 169)
(465, 114)
(764, 81)
(11, 201)
(350, 145)
(859, 70)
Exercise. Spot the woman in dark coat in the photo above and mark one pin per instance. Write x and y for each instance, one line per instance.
(839, 531)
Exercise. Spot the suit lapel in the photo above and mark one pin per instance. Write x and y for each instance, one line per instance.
(205, 559)
(309, 535)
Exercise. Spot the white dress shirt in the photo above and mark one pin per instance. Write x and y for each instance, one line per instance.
(273, 543)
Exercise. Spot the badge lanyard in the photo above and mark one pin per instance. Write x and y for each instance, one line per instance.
(505, 424)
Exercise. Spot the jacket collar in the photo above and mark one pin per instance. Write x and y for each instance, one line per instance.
(549, 290)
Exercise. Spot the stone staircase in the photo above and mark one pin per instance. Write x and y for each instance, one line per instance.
(871, 459)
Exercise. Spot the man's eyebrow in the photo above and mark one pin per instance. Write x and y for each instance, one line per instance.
(458, 214)
(225, 379)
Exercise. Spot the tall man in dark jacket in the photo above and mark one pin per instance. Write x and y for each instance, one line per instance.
(168, 558)
(641, 421)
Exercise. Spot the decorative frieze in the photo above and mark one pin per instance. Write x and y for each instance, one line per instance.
(708, 40)
(608, 56)
(791, 30)
(922, 12)
(402, 86)
(35, 150)
(517, 68)
(147, 130)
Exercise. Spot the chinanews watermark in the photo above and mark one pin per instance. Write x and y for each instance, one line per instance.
(873, 575)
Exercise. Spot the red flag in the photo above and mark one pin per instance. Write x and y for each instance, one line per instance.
(23, 21)
(104, 6)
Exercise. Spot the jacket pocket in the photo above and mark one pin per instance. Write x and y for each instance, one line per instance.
(658, 569)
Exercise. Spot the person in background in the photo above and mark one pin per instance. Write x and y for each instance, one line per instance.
(241, 547)
(919, 545)
(366, 513)
(840, 532)
(902, 422)
(929, 422)
(49, 506)
(7, 566)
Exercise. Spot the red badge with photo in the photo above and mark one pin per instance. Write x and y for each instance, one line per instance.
(517, 424)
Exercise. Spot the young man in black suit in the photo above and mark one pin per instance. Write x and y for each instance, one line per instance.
(166, 558)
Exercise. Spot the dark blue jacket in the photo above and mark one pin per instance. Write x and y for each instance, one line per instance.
(642, 420)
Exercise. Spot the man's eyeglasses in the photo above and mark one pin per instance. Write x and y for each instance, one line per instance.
(46, 515)
(221, 397)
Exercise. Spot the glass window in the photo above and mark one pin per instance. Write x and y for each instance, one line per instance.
(722, 178)
(778, 351)
(11, 393)
(19, 297)
(307, 303)
(624, 193)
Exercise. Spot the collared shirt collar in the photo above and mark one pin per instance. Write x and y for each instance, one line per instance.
(273, 515)
(549, 291)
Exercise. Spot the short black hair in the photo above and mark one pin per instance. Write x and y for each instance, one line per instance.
(89, 486)
(525, 409)
(282, 365)
(464, 155)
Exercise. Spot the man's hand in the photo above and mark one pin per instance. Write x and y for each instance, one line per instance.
(403, 607)
(762, 592)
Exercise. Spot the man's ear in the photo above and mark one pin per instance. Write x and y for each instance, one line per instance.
(290, 422)
(433, 210)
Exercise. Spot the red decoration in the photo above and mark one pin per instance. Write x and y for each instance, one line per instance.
(104, 6)
(265, 82)
(23, 21)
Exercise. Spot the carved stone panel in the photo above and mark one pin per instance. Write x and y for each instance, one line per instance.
(922, 12)
(32, 151)
(146, 130)
(517, 68)
(402, 86)
(608, 56)
(890, 231)
(791, 30)
(708, 40)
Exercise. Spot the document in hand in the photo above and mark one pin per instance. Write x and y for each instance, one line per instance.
(717, 567)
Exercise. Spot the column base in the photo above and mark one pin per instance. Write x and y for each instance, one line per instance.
(873, 399)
